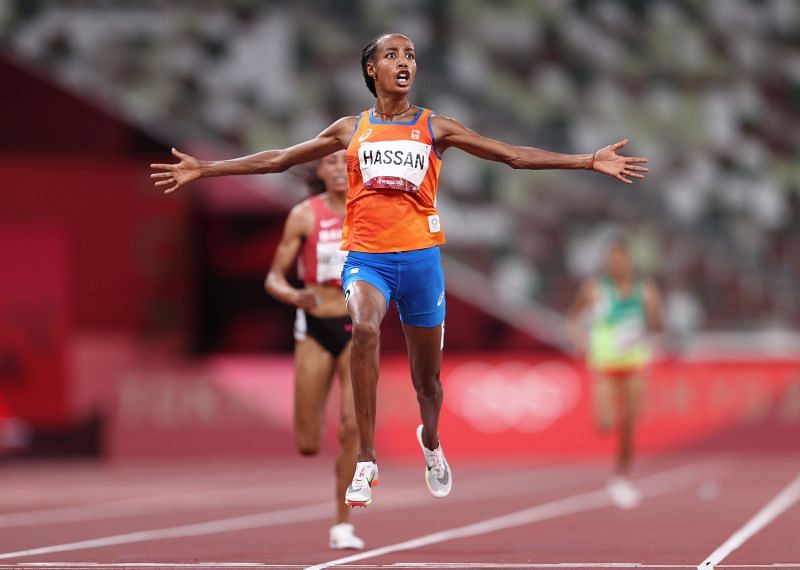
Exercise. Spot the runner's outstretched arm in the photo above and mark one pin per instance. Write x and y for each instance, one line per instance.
(450, 133)
(189, 169)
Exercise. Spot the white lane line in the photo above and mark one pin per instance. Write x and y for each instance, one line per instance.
(212, 498)
(285, 516)
(399, 500)
(440, 565)
(447, 565)
(452, 565)
(170, 502)
(772, 510)
(101, 565)
(653, 485)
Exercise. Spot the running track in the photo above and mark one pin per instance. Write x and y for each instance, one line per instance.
(741, 509)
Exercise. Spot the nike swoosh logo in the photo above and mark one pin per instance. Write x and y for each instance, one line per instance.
(445, 478)
(328, 223)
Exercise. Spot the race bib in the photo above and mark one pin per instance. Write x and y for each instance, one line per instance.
(394, 165)
(629, 333)
(330, 261)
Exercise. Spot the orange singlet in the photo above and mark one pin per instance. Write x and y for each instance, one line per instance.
(393, 174)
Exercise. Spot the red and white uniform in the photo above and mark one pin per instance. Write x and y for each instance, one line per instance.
(321, 259)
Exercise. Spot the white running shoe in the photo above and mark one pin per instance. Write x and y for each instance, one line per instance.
(342, 537)
(438, 476)
(623, 494)
(359, 493)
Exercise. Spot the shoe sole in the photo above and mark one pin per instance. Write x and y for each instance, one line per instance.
(362, 504)
(336, 547)
(436, 494)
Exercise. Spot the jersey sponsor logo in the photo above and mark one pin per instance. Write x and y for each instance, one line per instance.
(394, 165)
(328, 223)
(415, 134)
(441, 300)
(433, 224)
(365, 135)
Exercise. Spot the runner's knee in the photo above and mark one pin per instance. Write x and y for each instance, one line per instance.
(365, 334)
(428, 386)
(603, 422)
(306, 444)
(348, 433)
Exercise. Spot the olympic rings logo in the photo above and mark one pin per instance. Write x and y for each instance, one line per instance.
(513, 395)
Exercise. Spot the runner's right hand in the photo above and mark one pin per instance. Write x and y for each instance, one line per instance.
(306, 299)
(176, 175)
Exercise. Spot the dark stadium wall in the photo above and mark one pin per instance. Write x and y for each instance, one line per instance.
(39, 117)
(88, 248)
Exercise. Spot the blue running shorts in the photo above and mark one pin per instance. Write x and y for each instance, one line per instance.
(414, 280)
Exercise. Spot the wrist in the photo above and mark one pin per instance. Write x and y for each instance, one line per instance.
(203, 167)
(592, 158)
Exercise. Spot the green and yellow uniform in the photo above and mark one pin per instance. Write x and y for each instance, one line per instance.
(618, 340)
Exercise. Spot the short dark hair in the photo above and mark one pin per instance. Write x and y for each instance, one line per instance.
(312, 179)
(367, 55)
(308, 174)
(618, 238)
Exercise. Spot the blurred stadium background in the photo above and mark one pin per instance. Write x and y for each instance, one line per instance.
(134, 324)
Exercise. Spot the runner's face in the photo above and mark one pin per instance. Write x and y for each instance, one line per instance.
(618, 262)
(332, 170)
(395, 65)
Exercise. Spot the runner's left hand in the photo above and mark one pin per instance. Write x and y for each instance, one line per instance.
(607, 161)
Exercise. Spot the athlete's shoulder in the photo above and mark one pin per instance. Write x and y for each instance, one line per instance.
(301, 217)
(443, 121)
(650, 287)
(446, 129)
(592, 286)
(346, 120)
(342, 128)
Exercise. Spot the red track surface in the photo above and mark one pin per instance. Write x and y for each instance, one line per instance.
(689, 513)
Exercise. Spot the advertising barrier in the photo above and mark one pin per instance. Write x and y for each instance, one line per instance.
(505, 404)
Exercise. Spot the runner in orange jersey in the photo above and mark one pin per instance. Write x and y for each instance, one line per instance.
(393, 232)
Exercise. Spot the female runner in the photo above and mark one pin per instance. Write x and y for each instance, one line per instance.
(312, 235)
(623, 310)
(392, 231)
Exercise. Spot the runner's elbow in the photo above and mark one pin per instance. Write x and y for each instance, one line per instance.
(270, 285)
(275, 162)
(514, 160)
